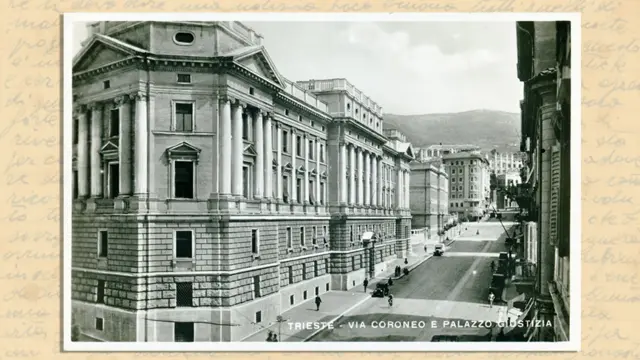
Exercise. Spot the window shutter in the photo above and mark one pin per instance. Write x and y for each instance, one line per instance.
(555, 195)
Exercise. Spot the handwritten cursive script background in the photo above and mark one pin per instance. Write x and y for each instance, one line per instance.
(30, 128)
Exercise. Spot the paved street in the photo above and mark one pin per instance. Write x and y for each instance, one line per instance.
(441, 291)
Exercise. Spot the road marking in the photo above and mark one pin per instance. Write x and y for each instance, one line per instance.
(458, 288)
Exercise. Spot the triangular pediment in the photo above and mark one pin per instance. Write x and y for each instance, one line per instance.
(183, 149)
(301, 169)
(109, 147)
(257, 60)
(274, 163)
(250, 150)
(313, 172)
(287, 167)
(323, 174)
(102, 50)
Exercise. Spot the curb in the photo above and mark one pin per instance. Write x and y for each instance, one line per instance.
(412, 267)
(337, 318)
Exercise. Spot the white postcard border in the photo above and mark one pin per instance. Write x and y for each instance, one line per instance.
(576, 144)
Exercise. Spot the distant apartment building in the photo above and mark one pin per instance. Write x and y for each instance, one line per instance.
(469, 186)
(208, 186)
(435, 152)
(504, 162)
(505, 183)
(429, 189)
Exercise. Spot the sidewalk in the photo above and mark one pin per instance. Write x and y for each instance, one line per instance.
(335, 304)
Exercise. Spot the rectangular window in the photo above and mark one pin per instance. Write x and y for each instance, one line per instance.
(184, 78)
(258, 318)
(75, 184)
(353, 263)
(184, 117)
(327, 269)
(106, 84)
(302, 236)
(99, 324)
(245, 127)
(312, 192)
(314, 240)
(114, 180)
(289, 239)
(321, 152)
(304, 295)
(317, 291)
(245, 182)
(183, 332)
(184, 245)
(326, 287)
(114, 123)
(76, 124)
(285, 189)
(255, 242)
(310, 150)
(285, 142)
(290, 275)
(304, 271)
(292, 300)
(299, 190)
(100, 292)
(315, 269)
(298, 145)
(103, 243)
(183, 179)
(322, 195)
(184, 294)
(256, 287)
(324, 232)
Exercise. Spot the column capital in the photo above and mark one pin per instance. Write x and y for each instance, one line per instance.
(79, 109)
(121, 100)
(96, 105)
(138, 95)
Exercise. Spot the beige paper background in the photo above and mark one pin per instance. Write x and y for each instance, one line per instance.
(30, 128)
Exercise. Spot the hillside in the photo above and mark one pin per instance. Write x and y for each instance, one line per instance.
(488, 129)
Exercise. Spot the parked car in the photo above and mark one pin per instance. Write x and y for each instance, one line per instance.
(439, 250)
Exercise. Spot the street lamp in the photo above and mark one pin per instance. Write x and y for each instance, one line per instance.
(280, 320)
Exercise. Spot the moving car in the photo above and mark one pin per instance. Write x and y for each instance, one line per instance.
(439, 250)
(381, 290)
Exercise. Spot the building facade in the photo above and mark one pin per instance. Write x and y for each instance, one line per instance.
(544, 66)
(504, 162)
(211, 194)
(429, 195)
(469, 188)
(436, 152)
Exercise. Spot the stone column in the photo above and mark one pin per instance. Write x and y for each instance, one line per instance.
(317, 189)
(258, 181)
(366, 169)
(374, 180)
(399, 189)
(360, 178)
(352, 174)
(294, 171)
(238, 148)
(279, 162)
(124, 145)
(407, 190)
(225, 151)
(268, 157)
(96, 142)
(141, 160)
(342, 183)
(305, 184)
(83, 152)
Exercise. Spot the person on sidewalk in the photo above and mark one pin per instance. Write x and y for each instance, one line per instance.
(390, 281)
(270, 337)
(491, 298)
(275, 338)
(318, 301)
(425, 248)
(366, 283)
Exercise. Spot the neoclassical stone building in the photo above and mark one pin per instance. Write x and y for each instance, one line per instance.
(211, 194)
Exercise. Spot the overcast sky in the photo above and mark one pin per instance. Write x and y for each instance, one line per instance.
(406, 67)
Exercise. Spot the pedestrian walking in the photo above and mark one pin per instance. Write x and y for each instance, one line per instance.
(275, 338)
(390, 281)
(318, 301)
(425, 248)
(270, 337)
(491, 298)
(366, 283)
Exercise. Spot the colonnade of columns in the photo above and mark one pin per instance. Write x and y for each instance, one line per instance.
(132, 165)
(231, 167)
(368, 181)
